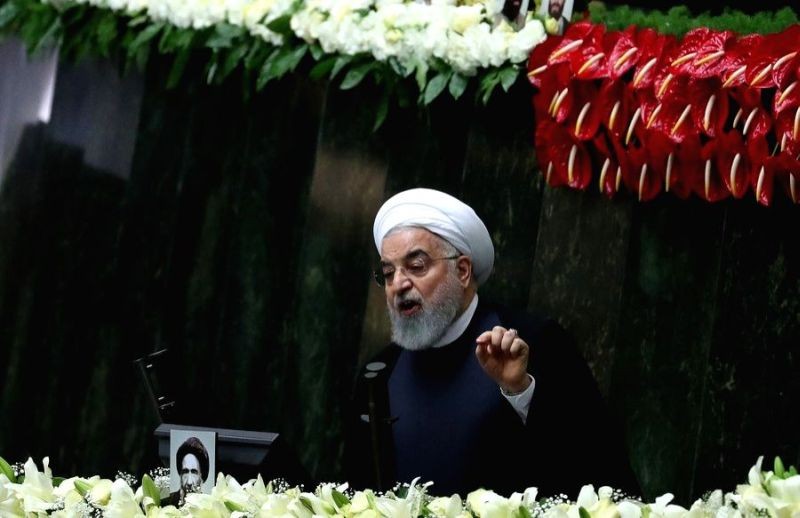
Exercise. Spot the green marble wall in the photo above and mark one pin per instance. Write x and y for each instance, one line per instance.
(240, 239)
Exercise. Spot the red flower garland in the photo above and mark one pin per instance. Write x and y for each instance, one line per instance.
(713, 114)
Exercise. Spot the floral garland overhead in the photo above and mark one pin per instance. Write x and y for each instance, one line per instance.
(716, 111)
(27, 491)
(435, 46)
(713, 114)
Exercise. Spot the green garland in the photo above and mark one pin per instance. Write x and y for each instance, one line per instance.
(679, 20)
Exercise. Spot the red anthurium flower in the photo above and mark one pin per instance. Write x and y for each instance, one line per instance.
(751, 116)
(585, 107)
(710, 105)
(647, 165)
(737, 53)
(562, 159)
(584, 30)
(786, 98)
(763, 170)
(668, 85)
(537, 61)
(589, 61)
(564, 102)
(655, 49)
(576, 36)
(659, 148)
(684, 170)
(733, 163)
(761, 62)
(787, 127)
(624, 165)
(622, 52)
(712, 186)
(608, 165)
(552, 85)
(764, 181)
(616, 106)
(700, 53)
(639, 177)
(789, 171)
(673, 120)
(783, 49)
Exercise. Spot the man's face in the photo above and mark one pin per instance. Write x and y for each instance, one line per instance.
(423, 292)
(555, 8)
(191, 476)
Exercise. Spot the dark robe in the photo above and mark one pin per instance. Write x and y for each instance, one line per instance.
(439, 417)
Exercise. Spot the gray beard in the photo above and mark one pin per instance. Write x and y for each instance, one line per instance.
(422, 330)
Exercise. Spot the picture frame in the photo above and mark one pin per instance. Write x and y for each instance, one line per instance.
(192, 456)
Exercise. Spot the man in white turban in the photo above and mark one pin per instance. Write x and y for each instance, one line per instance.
(458, 388)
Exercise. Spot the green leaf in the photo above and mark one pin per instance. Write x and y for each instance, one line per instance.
(106, 33)
(341, 62)
(316, 51)
(143, 18)
(49, 36)
(284, 60)
(7, 470)
(264, 75)
(522, 512)
(258, 52)
(281, 25)
(339, 499)
(149, 489)
(211, 68)
(382, 111)
(175, 39)
(233, 58)
(508, 77)
(224, 34)
(488, 84)
(145, 36)
(307, 503)
(57, 481)
(7, 13)
(178, 66)
(458, 84)
(296, 56)
(322, 68)
(436, 86)
(234, 507)
(778, 467)
(584, 513)
(421, 75)
(398, 67)
(356, 75)
(82, 486)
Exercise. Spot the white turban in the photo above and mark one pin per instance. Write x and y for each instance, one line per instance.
(443, 215)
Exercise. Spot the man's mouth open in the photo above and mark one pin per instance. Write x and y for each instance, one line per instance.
(409, 308)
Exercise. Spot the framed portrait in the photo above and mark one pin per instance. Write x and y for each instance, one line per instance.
(514, 12)
(559, 10)
(192, 456)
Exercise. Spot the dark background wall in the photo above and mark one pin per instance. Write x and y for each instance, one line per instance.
(237, 234)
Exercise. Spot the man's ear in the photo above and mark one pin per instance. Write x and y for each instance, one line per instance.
(464, 270)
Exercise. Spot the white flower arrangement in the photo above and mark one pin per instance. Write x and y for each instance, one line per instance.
(36, 493)
(465, 37)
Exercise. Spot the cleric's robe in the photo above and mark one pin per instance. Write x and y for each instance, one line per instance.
(449, 423)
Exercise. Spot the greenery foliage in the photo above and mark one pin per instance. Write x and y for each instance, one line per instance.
(679, 20)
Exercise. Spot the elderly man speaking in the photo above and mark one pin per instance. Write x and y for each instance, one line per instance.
(477, 395)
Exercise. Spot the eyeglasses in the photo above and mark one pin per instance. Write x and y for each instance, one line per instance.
(416, 265)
